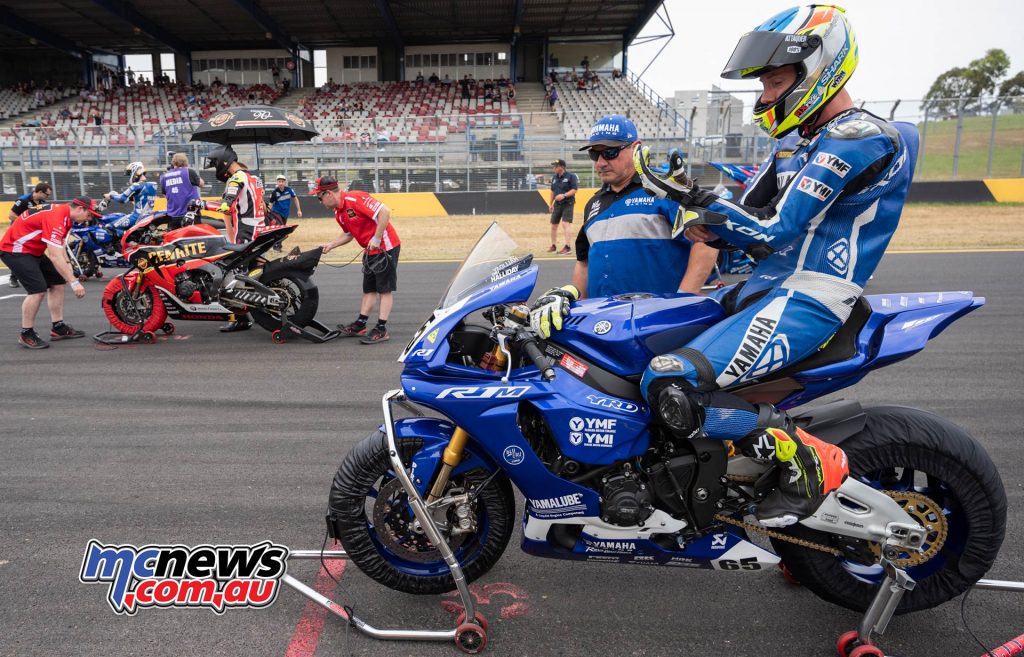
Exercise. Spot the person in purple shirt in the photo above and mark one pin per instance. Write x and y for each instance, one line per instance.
(179, 184)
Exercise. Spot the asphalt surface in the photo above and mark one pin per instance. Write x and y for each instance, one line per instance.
(211, 438)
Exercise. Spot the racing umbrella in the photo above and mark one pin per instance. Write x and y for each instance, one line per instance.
(254, 124)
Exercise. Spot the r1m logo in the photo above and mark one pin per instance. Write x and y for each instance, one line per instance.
(486, 392)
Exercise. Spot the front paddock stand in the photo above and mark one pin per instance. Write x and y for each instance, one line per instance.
(315, 332)
(145, 337)
(468, 637)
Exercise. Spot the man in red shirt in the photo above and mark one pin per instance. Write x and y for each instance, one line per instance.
(367, 221)
(33, 249)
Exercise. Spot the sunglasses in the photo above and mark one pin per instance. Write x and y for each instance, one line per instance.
(608, 154)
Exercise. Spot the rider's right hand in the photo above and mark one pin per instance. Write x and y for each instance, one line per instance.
(551, 308)
(676, 186)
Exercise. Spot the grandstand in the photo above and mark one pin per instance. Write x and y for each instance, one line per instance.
(408, 134)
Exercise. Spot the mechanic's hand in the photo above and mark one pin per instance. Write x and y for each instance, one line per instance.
(78, 289)
(300, 214)
(551, 308)
(676, 186)
(326, 246)
(374, 243)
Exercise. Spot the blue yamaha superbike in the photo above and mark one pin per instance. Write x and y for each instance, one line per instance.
(425, 504)
(97, 244)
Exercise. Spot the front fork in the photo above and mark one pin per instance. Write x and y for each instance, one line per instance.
(453, 452)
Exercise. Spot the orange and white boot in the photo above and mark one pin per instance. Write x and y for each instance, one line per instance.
(810, 469)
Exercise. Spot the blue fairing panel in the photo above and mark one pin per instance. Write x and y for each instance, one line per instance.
(435, 434)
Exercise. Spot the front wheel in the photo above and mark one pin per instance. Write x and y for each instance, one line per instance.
(302, 298)
(378, 529)
(944, 480)
(130, 313)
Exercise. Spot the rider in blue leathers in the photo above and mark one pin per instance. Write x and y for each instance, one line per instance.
(818, 216)
(140, 193)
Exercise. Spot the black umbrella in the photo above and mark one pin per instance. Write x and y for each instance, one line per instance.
(254, 124)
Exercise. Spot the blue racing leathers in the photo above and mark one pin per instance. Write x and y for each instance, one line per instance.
(819, 215)
(142, 195)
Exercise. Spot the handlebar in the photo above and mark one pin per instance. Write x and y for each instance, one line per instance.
(529, 344)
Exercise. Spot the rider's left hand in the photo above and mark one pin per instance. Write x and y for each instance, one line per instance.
(551, 309)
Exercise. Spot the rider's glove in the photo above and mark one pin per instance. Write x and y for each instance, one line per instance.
(101, 207)
(551, 308)
(676, 185)
(224, 208)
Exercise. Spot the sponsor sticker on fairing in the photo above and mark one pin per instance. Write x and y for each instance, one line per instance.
(815, 188)
(558, 507)
(573, 365)
(593, 431)
(212, 576)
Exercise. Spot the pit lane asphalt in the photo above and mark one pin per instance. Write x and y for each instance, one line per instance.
(230, 438)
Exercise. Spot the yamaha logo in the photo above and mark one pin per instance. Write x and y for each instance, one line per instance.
(602, 327)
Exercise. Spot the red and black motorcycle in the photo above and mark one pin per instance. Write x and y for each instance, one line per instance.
(194, 273)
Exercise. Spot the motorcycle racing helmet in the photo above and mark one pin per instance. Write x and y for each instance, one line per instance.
(134, 171)
(818, 41)
(221, 158)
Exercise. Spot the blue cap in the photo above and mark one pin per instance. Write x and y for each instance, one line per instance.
(612, 130)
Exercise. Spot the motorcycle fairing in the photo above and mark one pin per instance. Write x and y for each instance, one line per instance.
(435, 435)
(727, 549)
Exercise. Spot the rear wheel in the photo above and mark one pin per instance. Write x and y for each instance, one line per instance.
(303, 300)
(944, 480)
(130, 313)
(379, 531)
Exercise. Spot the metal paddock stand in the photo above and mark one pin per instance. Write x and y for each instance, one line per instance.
(858, 643)
(470, 634)
(315, 332)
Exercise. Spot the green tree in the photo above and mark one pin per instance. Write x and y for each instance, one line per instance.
(1013, 87)
(978, 78)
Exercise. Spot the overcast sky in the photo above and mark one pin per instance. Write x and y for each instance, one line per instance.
(904, 44)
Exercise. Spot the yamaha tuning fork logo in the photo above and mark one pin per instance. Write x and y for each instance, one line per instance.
(212, 576)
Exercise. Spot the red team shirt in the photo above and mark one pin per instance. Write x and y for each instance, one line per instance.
(357, 216)
(36, 228)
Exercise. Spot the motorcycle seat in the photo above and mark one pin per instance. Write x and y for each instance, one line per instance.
(237, 248)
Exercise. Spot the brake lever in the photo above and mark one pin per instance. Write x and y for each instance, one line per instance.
(502, 338)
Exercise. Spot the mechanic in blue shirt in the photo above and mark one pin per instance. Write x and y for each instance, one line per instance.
(280, 199)
(627, 242)
(564, 185)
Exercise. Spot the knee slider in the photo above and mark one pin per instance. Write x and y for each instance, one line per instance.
(675, 403)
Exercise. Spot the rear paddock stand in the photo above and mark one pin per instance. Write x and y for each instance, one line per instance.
(145, 337)
(469, 637)
(315, 332)
(858, 643)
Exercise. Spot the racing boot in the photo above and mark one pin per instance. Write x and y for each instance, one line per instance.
(809, 470)
(240, 323)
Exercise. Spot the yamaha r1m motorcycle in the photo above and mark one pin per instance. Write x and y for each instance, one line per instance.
(194, 273)
(426, 503)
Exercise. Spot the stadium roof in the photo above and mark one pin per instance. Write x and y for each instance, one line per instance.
(118, 26)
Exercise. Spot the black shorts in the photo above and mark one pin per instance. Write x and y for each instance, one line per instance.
(562, 212)
(36, 273)
(386, 278)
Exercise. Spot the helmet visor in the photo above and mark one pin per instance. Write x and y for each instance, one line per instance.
(759, 52)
